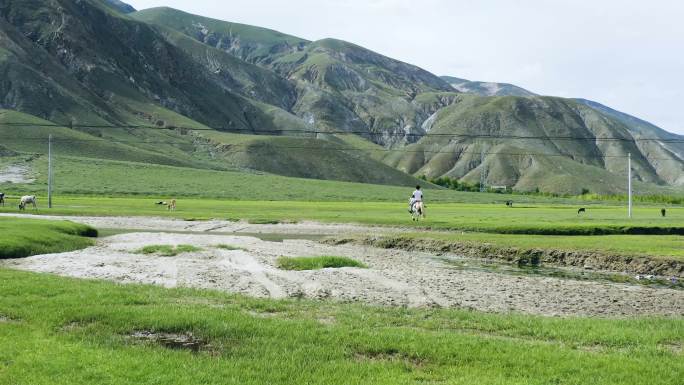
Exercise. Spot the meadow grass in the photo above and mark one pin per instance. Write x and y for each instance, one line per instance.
(66, 331)
(542, 219)
(169, 250)
(317, 263)
(21, 238)
(658, 246)
(100, 177)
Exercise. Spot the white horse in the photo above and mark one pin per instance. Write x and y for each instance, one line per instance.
(26, 200)
(418, 211)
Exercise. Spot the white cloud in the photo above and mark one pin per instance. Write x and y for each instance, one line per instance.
(627, 54)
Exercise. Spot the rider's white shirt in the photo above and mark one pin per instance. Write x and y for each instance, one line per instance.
(418, 195)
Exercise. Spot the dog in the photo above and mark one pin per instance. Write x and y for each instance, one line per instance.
(663, 212)
(581, 210)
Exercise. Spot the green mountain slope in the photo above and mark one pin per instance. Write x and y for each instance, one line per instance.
(110, 56)
(305, 157)
(252, 44)
(339, 85)
(508, 161)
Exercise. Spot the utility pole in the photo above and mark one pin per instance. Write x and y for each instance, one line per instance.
(483, 175)
(50, 171)
(629, 184)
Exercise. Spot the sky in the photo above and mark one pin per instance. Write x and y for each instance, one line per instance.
(626, 54)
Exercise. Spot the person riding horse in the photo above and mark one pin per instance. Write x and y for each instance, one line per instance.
(417, 196)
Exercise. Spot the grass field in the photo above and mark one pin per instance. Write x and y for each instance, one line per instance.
(24, 237)
(64, 331)
(101, 177)
(544, 219)
(656, 246)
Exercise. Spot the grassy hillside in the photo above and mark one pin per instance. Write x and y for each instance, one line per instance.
(563, 166)
(24, 134)
(26, 139)
(75, 175)
(304, 157)
(340, 86)
(99, 54)
(247, 42)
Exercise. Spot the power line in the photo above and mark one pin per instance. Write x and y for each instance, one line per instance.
(332, 132)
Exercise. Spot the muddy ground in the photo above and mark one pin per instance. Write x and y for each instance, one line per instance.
(393, 277)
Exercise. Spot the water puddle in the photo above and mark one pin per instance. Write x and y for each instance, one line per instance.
(267, 237)
(558, 272)
(176, 341)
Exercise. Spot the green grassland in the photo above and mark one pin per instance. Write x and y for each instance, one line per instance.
(546, 219)
(654, 246)
(24, 237)
(91, 176)
(65, 331)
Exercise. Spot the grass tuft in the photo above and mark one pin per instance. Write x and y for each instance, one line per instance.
(228, 247)
(168, 250)
(317, 263)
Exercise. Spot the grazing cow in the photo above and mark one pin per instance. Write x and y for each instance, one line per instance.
(581, 210)
(509, 203)
(172, 205)
(26, 200)
(663, 212)
(2, 199)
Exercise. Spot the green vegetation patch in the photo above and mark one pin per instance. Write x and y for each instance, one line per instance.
(652, 246)
(20, 238)
(168, 250)
(317, 263)
(228, 247)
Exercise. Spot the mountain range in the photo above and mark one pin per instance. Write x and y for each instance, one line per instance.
(224, 95)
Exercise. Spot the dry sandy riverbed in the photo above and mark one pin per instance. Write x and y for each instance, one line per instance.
(394, 277)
